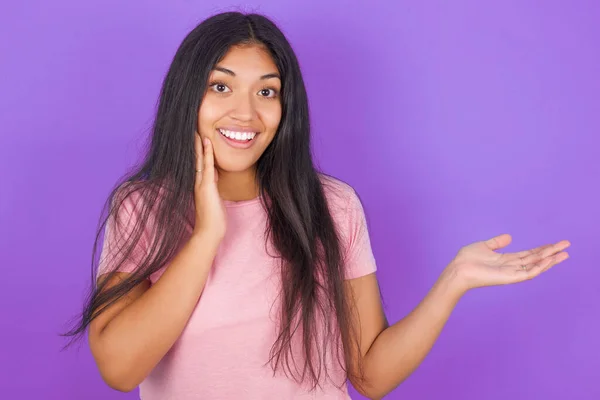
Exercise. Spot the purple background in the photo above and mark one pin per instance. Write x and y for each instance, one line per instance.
(455, 121)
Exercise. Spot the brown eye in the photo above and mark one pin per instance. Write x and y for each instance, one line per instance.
(219, 87)
(268, 93)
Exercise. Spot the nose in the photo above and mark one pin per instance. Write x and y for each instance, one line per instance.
(244, 109)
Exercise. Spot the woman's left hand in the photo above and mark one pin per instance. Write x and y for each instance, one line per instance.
(478, 264)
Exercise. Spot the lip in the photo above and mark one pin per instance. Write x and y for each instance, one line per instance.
(234, 143)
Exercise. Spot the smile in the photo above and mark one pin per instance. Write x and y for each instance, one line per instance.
(237, 139)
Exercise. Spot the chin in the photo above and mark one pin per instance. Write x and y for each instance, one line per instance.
(233, 166)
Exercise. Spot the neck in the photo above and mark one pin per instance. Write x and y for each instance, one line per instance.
(238, 186)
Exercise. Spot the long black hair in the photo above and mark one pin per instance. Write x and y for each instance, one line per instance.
(300, 226)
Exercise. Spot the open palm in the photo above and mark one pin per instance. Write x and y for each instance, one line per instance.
(479, 264)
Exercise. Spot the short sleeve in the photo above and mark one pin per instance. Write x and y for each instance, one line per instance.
(359, 258)
(118, 231)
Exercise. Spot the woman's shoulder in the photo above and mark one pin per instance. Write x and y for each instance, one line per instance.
(131, 198)
(339, 194)
(136, 192)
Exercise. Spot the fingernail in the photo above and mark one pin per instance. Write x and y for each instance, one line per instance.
(206, 141)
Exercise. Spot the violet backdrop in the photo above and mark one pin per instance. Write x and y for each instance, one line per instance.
(455, 121)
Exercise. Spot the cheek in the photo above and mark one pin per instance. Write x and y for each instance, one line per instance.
(271, 117)
(208, 115)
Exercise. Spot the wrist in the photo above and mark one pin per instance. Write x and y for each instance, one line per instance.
(452, 278)
(206, 237)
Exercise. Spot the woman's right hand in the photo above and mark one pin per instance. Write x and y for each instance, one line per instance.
(210, 208)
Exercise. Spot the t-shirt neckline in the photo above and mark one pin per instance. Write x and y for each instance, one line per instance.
(241, 203)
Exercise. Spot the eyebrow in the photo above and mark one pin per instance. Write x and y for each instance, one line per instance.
(230, 72)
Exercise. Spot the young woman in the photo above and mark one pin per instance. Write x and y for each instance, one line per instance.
(232, 269)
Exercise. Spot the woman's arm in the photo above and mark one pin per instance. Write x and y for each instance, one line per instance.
(391, 353)
(129, 338)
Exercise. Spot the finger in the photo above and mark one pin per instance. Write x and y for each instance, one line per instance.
(557, 259)
(544, 265)
(498, 242)
(510, 257)
(548, 251)
(534, 270)
(208, 172)
(199, 156)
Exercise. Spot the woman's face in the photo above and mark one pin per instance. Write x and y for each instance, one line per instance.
(241, 109)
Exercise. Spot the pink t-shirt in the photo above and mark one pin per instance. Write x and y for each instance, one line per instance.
(223, 351)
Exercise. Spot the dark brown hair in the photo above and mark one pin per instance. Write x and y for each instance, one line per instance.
(301, 227)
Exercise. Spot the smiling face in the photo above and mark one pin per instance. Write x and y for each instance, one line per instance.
(241, 109)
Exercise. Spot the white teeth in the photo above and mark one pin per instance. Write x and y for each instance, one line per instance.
(238, 135)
